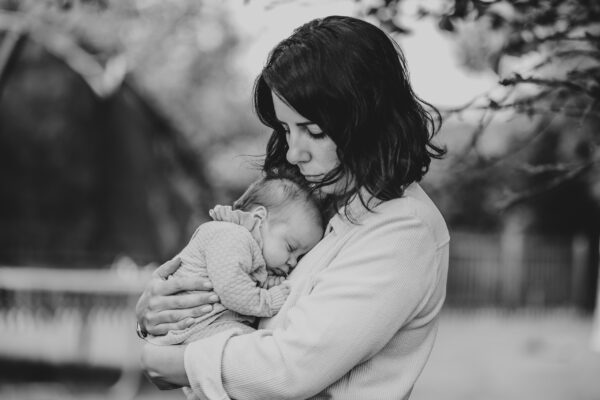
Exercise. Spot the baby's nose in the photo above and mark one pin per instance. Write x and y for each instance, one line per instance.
(292, 262)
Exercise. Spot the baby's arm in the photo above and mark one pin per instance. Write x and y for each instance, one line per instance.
(229, 263)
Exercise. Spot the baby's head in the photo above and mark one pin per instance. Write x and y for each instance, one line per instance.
(291, 220)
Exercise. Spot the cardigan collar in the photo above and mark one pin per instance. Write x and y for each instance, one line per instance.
(243, 218)
(352, 213)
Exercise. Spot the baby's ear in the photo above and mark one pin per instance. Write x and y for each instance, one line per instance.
(259, 212)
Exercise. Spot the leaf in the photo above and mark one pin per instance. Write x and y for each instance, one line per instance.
(446, 24)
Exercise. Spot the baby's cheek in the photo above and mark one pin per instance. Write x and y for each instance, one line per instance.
(272, 257)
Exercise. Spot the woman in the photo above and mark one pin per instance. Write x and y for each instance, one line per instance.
(362, 315)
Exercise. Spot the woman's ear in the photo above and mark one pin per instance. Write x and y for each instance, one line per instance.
(259, 212)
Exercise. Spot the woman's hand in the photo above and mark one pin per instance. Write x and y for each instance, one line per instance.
(164, 366)
(160, 310)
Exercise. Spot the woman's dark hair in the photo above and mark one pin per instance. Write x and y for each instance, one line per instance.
(350, 78)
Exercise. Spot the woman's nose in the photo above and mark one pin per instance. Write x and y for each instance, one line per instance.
(297, 152)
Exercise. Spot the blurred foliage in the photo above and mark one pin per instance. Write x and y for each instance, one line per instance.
(546, 55)
(129, 101)
(178, 55)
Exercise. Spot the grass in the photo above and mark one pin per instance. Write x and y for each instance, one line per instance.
(485, 355)
(496, 356)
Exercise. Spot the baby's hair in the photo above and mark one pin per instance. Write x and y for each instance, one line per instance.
(276, 193)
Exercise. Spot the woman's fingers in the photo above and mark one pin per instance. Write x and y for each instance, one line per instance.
(182, 284)
(168, 268)
(161, 287)
(163, 329)
(183, 301)
(159, 323)
(172, 301)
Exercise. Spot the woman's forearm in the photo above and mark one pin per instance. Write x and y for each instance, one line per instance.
(164, 365)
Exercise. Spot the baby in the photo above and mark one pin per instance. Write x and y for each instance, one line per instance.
(247, 252)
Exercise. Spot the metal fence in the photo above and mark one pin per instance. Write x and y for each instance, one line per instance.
(516, 270)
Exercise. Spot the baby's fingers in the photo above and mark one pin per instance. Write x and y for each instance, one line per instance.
(219, 213)
(286, 288)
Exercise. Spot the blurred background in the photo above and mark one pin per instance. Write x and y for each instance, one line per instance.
(123, 122)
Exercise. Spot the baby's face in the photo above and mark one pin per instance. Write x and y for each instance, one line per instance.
(285, 240)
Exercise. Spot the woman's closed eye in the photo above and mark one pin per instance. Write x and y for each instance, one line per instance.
(311, 129)
(315, 133)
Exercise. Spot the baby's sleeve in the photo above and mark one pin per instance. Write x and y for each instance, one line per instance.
(229, 263)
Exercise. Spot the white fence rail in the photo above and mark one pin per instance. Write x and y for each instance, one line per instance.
(71, 316)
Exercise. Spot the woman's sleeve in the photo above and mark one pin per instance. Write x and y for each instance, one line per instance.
(378, 282)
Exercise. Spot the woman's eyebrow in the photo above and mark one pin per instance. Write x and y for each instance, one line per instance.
(305, 123)
(297, 123)
(300, 124)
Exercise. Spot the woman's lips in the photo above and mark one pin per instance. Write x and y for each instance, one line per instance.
(313, 178)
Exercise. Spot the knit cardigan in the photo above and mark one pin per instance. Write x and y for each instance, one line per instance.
(229, 253)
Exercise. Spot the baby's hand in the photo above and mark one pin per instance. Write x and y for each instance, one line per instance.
(274, 280)
(219, 213)
(279, 295)
(285, 288)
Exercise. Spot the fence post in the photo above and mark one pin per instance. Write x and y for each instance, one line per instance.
(512, 247)
(595, 342)
(580, 260)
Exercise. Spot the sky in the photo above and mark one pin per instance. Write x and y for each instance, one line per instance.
(433, 66)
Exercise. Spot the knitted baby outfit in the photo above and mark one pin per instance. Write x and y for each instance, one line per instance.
(229, 253)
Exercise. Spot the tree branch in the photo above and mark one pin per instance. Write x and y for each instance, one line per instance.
(104, 80)
(518, 79)
(511, 199)
(566, 54)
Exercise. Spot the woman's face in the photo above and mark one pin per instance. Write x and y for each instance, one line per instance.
(308, 147)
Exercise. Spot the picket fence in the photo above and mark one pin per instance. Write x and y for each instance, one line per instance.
(75, 317)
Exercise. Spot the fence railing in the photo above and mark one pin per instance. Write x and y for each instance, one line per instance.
(87, 316)
(517, 270)
(70, 316)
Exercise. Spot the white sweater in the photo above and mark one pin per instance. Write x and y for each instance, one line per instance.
(360, 321)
